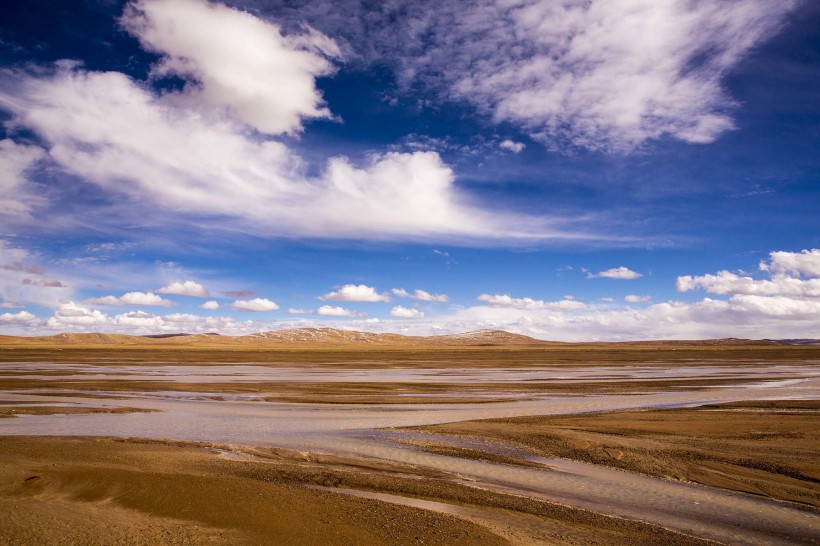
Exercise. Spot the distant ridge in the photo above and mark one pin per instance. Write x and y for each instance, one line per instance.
(334, 337)
(294, 336)
(799, 341)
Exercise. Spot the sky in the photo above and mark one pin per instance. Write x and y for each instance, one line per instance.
(584, 170)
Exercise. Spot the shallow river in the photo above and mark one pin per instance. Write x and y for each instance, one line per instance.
(356, 430)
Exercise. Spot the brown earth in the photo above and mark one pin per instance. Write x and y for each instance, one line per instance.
(108, 491)
(15, 411)
(763, 448)
(444, 357)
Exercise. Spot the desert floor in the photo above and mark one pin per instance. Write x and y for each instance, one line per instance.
(477, 445)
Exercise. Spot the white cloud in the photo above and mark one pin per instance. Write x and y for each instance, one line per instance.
(186, 288)
(420, 295)
(623, 273)
(138, 319)
(256, 304)
(400, 311)
(145, 298)
(726, 282)
(634, 298)
(294, 311)
(233, 59)
(131, 298)
(355, 292)
(514, 147)
(177, 151)
(775, 306)
(335, 311)
(69, 315)
(22, 316)
(210, 305)
(505, 300)
(599, 74)
(805, 262)
(17, 198)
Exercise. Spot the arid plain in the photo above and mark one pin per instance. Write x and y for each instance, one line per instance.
(326, 437)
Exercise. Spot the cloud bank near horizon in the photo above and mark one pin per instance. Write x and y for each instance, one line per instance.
(784, 305)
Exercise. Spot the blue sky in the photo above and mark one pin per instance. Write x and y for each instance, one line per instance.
(602, 170)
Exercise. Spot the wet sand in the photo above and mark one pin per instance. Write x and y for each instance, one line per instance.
(537, 472)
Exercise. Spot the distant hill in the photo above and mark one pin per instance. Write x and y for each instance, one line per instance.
(297, 337)
(294, 336)
(799, 341)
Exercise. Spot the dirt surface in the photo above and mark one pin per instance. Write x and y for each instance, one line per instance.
(15, 411)
(495, 356)
(63, 491)
(108, 491)
(764, 448)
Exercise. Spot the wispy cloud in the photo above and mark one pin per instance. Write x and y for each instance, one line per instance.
(600, 74)
(399, 311)
(512, 146)
(635, 298)
(504, 300)
(420, 295)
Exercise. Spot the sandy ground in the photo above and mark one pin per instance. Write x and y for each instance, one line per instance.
(771, 449)
(107, 491)
(451, 483)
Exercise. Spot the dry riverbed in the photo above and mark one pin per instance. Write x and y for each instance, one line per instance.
(422, 446)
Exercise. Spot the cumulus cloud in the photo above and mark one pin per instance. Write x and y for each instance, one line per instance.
(336, 311)
(623, 273)
(210, 45)
(634, 298)
(805, 262)
(514, 147)
(138, 319)
(131, 298)
(400, 311)
(356, 292)
(775, 306)
(210, 305)
(784, 270)
(186, 288)
(176, 150)
(505, 300)
(69, 315)
(420, 295)
(256, 304)
(597, 74)
(726, 282)
(21, 316)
